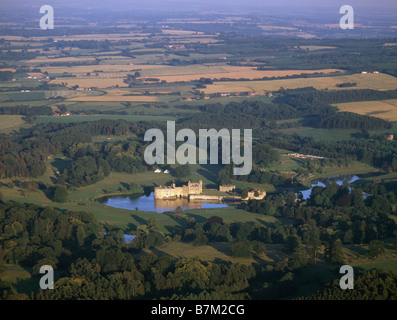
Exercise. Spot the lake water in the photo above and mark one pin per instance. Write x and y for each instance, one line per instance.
(148, 203)
(322, 183)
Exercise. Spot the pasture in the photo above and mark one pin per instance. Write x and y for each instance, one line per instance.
(211, 252)
(91, 82)
(9, 123)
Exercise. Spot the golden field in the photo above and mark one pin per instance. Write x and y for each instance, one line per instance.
(80, 70)
(364, 81)
(8, 69)
(384, 109)
(115, 97)
(191, 73)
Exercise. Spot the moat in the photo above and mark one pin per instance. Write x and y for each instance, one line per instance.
(149, 203)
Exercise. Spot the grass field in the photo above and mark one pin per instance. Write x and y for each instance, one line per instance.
(45, 59)
(9, 123)
(382, 265)
(90, 82)
(364, 81)
(213, 251)
(13, 273)
(22, 96)
(384, 109)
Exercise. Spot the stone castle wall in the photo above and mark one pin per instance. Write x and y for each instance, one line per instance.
(174, 192)
(227, 188)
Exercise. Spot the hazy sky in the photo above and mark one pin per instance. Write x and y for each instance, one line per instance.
(209, 3)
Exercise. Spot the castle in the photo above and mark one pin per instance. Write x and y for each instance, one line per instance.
(174, 192)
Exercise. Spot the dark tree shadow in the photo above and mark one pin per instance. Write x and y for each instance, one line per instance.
(148, 190)
(174, 229)
(61, 164)
(266, 224)
(138, 219)
(220, 261)
(179, 221)
(125, 185)
(198, 218)
(223, 247)
(130, 227)
(29, 285)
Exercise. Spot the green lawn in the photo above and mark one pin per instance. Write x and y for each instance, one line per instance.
(382, 265)
(14, 272)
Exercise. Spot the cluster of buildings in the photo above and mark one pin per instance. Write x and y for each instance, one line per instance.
(174, 192)
(194, 191)
(38, 75)
(304, 156)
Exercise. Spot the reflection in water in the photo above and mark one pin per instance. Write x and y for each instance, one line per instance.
(148, 203)
(338, 179)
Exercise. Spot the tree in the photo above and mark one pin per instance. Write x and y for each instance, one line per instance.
(178, 211)
(375, 249)
(135, 188)
(215, 219)
(334, 252)
(394, 164)
(291, 244)
(290, 200)
(153, 223)
(192, 273)
(200, 240)
(182, 171)
(2, 267)
(60, 194)
(80, 235)
(241, 249)
(258, 247)
(244, 231)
